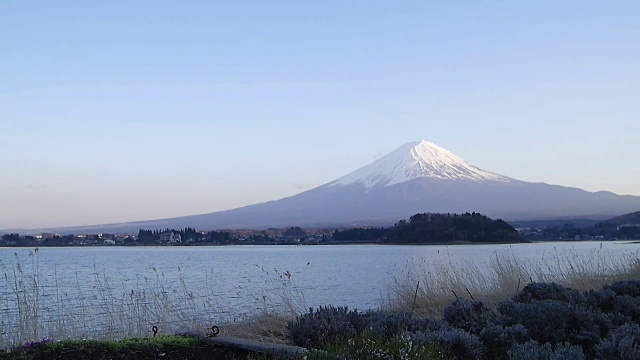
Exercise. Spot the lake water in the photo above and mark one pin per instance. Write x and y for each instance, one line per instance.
(83, 291)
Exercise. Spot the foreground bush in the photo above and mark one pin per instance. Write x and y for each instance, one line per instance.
(370, 346)
(623, 343)
(631, 288)
(556, 322)
(534, 351)
(543, 291)
(326, 325)
(497, 339)
(543, 321)
(456, 342)
(469, 315)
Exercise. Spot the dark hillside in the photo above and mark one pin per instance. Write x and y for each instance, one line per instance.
(633, 218)
(435, 228)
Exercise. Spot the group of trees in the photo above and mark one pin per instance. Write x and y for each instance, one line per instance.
(432, 228)
(604, 230)
(11, 237)
(624, 227)
(152, 236)
(473, 227)
(360, 234)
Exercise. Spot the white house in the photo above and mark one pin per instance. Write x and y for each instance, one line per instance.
(170, 237)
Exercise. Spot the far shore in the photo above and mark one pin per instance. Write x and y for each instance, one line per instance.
(335, 243)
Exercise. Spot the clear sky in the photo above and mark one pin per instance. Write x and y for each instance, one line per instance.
(115, 111)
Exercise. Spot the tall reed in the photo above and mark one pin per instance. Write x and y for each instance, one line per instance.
(108, 309)
(443, 279)
(21, 293)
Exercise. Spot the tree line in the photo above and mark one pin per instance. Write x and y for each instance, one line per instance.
(436, 228)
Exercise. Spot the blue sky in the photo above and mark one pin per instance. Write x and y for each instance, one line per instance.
(120, 110)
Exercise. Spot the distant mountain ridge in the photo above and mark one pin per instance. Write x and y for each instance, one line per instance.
(633, 218)
(418, 177)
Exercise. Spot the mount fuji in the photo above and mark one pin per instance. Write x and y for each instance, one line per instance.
(414, 161)
(417, 177)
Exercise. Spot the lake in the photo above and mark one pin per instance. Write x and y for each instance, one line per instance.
(85, 291)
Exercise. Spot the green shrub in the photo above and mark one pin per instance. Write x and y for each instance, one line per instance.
(627, 306)
(388, 325)
(468, 315)
(603, 300)
(598, 324)
(623, 343)
(497, 339)
(630, 288)
(369, 346)
(548, 291)
(457, 342)
(556, 322)
(325, 325)
(535, 351)
(426, 324)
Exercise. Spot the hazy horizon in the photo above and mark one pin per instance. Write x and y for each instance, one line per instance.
(116, 112)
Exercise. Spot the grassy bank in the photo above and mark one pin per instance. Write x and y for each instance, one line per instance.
(162, 347)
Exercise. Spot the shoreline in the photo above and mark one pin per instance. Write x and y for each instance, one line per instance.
(455, 243)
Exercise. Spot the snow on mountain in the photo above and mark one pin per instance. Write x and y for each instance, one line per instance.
(420, 159)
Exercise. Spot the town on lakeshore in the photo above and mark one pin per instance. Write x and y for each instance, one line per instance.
(419, 229)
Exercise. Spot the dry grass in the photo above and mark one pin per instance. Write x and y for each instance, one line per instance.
(282, 302)
(103, 310)
(267, 327)
(442, 280)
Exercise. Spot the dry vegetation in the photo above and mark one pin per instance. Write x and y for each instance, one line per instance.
(427, 288)
(70, 314)
(31, 310)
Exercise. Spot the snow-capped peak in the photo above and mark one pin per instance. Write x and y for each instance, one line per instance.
(416, 160)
